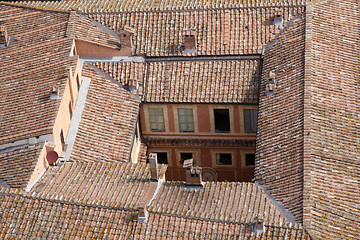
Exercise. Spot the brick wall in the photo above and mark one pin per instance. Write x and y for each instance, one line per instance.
(332, 139)
(279, 160)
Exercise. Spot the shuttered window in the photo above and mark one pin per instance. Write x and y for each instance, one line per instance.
(250, 120)
(186, 119)
(156, 119)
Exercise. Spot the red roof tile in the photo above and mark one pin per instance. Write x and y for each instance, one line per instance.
(17, 166)
(232, 31)
(108, 121)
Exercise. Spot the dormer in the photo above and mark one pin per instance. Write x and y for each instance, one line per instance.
(4, 38)
(126, 37)
(190, 44)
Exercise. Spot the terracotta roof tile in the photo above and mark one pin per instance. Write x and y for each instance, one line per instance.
(25, 217)
(117, 185)
(122, 5)
(108, 121)
(280, 120)
(203, 81)
(17, 166)
(217, 31)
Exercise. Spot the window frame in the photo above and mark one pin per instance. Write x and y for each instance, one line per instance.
(253, 120)
(214, 153)
(195, 154)
(169, 155)
(186, 119)
(156, 119)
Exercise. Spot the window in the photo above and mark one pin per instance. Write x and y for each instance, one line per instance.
(250, 120)
(162, 157)
(185, 156)
(223, 159)
(70, 110)
(156, 118)
(249, 159)
(62, 138)
(222, 120)
(186, 120)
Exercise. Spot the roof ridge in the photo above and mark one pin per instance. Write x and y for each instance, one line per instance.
(20, 5)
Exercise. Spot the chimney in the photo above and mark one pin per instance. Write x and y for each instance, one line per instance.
(190, 45)
(54, 92)
(258, 225)
(192, 174)
(278, 20)
(142, 212)
(126, 37)
(154, 175)
(4, 39)
(271, 84)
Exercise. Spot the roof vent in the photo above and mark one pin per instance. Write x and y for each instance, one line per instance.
(4, 38)
(190, 41)
(54, 92)
(154, 175)
(193, 175)
(278, 20)
(258, 225)
(143, 213)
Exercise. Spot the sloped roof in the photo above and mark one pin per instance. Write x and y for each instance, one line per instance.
(16, 167)
(54, 219)
(224, 81)
(36, 60)
(218, 31)
(99, 200)
(123, 5)
(118, 184)
(108, 122)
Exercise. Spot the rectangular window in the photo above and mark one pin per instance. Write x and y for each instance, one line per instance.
(222, 120)
(249, 159)
(62, 139)
(185, 156)
(186, 119)
(250, 120)
(70, 110)
(162, 157)
(223, 159)
(156, 118)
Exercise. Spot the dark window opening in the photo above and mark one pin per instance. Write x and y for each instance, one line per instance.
(249, 159)
(162, 157)
(70, 110)
(223, 159)
(250, 120)
(222, 120)
(62, 138)
(185, 156)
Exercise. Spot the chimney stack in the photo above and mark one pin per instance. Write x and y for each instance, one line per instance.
(126, 37)
(4, 39)
(192, 174)
(143, 213)
(54, 92)
(154, 175)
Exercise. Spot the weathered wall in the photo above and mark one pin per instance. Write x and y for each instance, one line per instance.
(332, 139)
(279, 157)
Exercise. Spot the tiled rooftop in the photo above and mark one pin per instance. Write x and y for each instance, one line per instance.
(29, 217)
(108, 121)
(123, 5)
(203, 81)
(217, 31)
(17, 166)
(34, 62)
(117, 185)
(198, 81)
